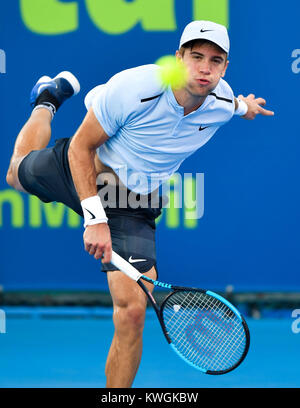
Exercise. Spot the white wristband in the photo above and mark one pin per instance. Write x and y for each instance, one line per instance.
(93, 211)
(242, 108)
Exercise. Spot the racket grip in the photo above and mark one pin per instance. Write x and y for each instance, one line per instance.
(125, 266)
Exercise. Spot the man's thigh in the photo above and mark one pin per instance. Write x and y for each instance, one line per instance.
(133, 238)
(46, 174)
(125, 292)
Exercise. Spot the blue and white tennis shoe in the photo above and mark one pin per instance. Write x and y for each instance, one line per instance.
(54, 90)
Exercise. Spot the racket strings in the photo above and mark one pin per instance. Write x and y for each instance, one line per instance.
(191, 353)
(236, 333)
(192, 308)
(212, 330)
(210, 337)
(204, 330)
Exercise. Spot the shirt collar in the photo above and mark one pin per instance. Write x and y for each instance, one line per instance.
(180, 109)
(172, 101)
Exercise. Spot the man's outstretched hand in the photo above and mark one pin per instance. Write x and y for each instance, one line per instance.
(97, 241)
(255, 107)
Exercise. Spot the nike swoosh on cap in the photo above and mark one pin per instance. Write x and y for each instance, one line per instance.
(136, 260)
(204, 31)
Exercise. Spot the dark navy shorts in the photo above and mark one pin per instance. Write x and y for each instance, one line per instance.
(46, 174)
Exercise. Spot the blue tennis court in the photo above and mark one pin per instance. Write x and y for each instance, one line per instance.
(67, 347)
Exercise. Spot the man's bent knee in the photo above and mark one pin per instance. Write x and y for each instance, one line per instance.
(12, 178)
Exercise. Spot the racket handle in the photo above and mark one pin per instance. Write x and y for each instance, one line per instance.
(125, 266)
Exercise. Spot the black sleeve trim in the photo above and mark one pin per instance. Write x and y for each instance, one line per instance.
(220, 98)
(150, 99)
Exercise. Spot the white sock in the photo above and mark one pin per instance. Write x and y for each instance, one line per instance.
(46, 105)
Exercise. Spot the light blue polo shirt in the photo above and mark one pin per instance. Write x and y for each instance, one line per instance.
(149, 136)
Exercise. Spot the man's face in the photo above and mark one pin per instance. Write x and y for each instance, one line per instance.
(205, 64)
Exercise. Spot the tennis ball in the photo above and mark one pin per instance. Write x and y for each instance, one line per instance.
(172, 72)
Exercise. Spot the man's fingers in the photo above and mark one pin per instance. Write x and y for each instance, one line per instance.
(261, 101)
(99, 252)
(107, 254)
(266, 112)
(97, 241)
(87, 246)
(92, 249)
(103, 252)
(255, 107)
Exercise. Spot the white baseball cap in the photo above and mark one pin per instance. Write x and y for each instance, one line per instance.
(206, 30)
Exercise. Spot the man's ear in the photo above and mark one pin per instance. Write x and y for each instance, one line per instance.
(178, 55)
(225, 68)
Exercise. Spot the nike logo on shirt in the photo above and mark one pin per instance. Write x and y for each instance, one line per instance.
(136, 260)
(202, 128)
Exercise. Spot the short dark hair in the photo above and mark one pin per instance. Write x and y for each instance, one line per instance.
(191, 44)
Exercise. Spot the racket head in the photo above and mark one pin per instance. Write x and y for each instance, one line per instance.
(205, 330)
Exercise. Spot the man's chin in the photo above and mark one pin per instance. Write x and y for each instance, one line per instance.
(200, 91)
(200, 94)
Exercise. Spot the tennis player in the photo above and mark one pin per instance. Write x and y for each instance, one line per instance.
(134, 136)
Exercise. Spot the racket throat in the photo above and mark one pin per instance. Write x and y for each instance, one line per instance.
(156, 308)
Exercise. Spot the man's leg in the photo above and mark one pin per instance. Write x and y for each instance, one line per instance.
(35, 135)
(129, 315)
(46, 97)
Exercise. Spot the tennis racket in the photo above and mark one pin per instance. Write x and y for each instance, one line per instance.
(203, 328)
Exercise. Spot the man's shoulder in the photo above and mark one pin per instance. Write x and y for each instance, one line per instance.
(130, 86)
(141, 82)
(223, 92)
(221, 103)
